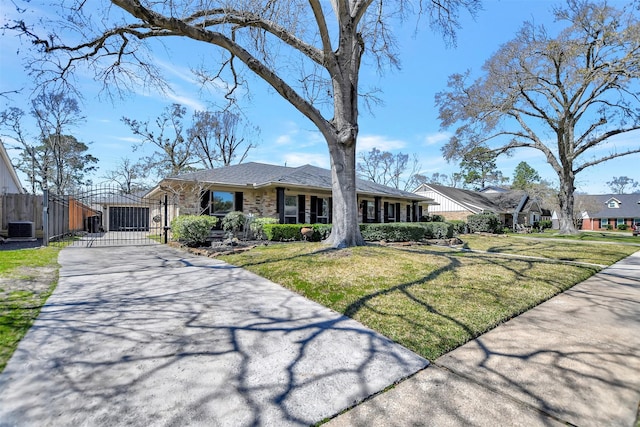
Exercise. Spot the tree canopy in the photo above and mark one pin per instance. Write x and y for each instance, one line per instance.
(524, 176)
(565, 95)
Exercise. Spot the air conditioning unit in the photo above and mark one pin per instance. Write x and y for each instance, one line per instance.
(21, 230)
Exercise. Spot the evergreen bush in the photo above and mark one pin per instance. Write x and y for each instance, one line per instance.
(484, 223)
(192, 229)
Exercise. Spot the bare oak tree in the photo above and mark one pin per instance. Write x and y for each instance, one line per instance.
(221, 138)
(174, 153)
(308, 51)
(565, 96)
(127, 175)
(620, 184)
(394, 170)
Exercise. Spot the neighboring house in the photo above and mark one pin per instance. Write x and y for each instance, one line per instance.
(291, 195)
(608, 211)
(512, 206)
(9, 181)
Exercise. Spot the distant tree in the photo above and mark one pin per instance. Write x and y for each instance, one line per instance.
(221, 138)
(174, 152)
(580, 87)
(478, 168)
(524, 176)
(128, 176)
(394, 170)
(453, 180)
(308, 51)
(620, 184)
(52, 159)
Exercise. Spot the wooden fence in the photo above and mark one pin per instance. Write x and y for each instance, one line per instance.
(20, 207)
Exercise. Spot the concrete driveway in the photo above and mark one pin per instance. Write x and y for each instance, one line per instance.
(149, 335)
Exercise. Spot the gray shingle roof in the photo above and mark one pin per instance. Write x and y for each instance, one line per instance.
(629, 206)
(261, 174)
(500, 202)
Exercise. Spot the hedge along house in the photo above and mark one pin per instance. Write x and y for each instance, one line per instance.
(292, 195)
(512, 206)
(608, 211)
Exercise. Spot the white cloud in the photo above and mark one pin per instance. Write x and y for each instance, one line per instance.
(437, 138)
(301, 138)
(128, 139)
(299, 159)
(189, 102)
(381, 142)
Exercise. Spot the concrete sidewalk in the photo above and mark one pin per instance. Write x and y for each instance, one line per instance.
(572, 360)
(151, 336)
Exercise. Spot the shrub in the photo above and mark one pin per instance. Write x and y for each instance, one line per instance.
(257, 226)
(432, 218)
(545, 223)
(437, 230)
(233, 222)
(622, 227)
(321, 231)
(393, 232)
(485, 222)
(192, 229)
(459, 226)
(437, 218)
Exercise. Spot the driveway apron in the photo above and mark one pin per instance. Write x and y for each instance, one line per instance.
(155, 336)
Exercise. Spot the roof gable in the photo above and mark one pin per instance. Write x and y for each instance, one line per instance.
(597, 206)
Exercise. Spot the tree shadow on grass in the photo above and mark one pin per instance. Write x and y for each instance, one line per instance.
(146, 337)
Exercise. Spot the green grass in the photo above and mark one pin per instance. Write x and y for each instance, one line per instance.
(13, 260)
(428, 299)
(23, 292)
(591, 236)
(577, 251)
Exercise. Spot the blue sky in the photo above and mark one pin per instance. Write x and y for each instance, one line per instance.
(407, 121)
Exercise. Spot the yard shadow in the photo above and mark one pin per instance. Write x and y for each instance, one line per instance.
(150, 336)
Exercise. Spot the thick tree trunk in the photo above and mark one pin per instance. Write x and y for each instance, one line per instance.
(345, 230)
(566, 203)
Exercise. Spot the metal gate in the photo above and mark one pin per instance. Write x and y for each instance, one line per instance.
(104, 216)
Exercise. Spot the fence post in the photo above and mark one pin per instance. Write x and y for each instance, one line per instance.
(166, 218)
(45, 217)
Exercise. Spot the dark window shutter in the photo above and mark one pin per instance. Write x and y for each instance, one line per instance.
(280, 204)
(205, 207)
(365, 205)
(397, 212)
(314, 209)
(386, 211)
(301, 203)
(238, 201)
(408, 216)
(376, 217)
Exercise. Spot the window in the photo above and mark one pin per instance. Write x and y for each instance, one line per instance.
(290, 209)
(619, 221)
(221, 202)
(613, 204)
(391, 212)
(604, 222)
(323, 211)
(371, 211)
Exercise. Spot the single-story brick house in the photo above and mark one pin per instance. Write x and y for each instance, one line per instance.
(293, 195)
(512, 206)
(606, 211)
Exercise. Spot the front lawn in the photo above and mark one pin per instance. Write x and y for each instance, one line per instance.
(27, 278)
(427, 298)
(577, 251)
